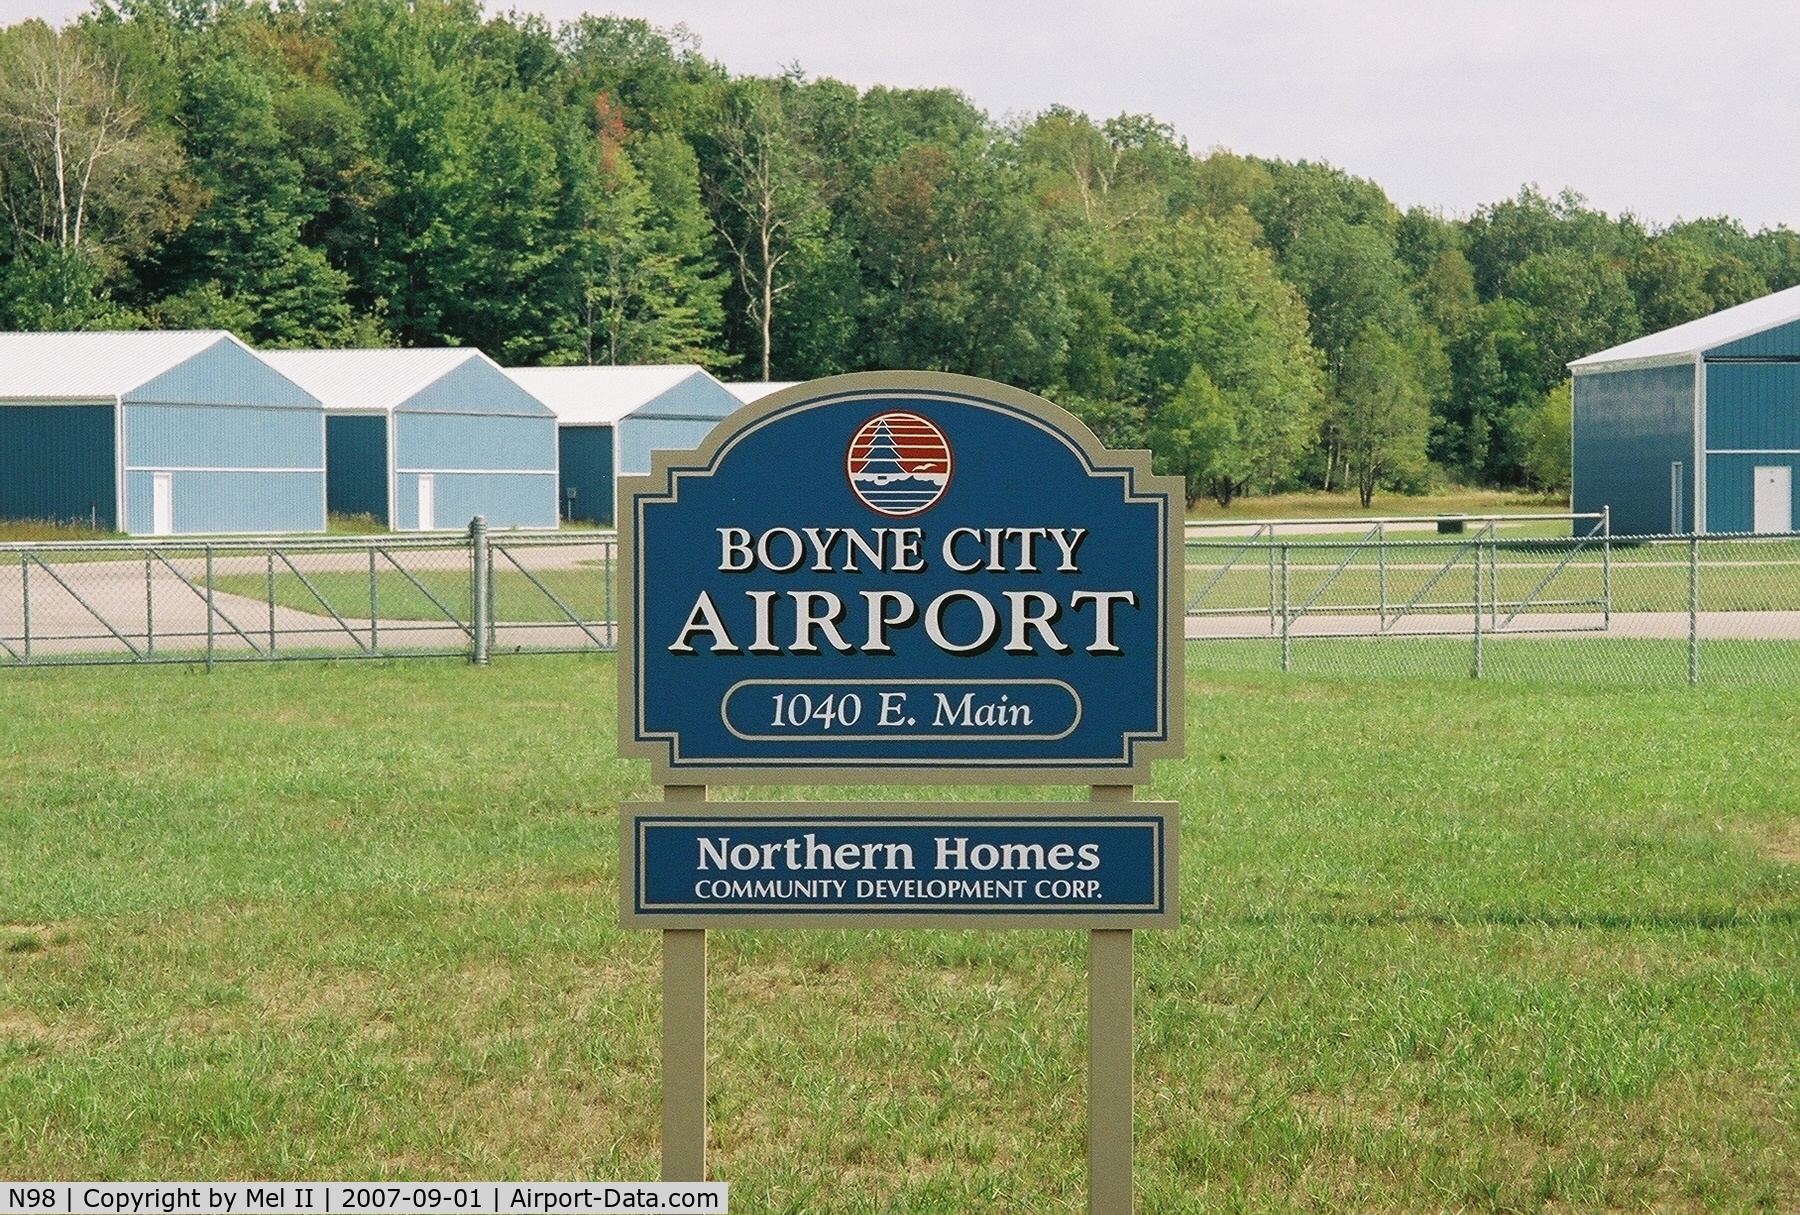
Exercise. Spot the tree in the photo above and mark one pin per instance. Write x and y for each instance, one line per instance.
(1548, 438)
(1382, 413)
(1202, 292)
(1197, 436)
(80, 168)
(957, 274)
(242, 263)
(45, 288)
(763, 197)
(645, 289)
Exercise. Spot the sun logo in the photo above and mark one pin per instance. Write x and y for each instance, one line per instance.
(899, 463)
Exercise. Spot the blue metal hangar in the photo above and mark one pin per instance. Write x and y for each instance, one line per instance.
(179, 432)
(611, 418)
(1696, 428)
(429, 438)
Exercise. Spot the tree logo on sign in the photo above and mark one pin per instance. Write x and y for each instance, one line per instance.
(899, 463)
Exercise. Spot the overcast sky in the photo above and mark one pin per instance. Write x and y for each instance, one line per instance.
(1671, 110)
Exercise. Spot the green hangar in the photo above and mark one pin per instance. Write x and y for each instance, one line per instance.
(1696, 428)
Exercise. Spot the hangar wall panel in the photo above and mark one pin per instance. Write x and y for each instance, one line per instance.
(1752, 406)
(428, 442)
(1630, 426)
(221, 436)
(57, 462)
(638, 437)
(699, 397)
(356, 465)
(223, 374)
(230, 502)
(506, 499)
(585, 464)
(475, 386)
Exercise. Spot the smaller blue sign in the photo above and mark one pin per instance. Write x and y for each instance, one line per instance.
(1042, 864)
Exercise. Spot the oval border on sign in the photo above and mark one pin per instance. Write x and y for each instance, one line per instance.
(725, 716)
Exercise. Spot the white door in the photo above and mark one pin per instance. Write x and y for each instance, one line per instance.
(427, 503)
(1774, 498)
(162, 504)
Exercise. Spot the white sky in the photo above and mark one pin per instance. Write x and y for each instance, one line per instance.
(1672, 110)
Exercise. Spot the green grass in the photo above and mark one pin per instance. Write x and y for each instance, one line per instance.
(1450, 501)
(31, 531)
(1445, 946)
(1734, 576)
(516, 598)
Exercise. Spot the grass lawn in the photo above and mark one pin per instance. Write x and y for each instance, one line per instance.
(29, 531)
(428, 592)
(1451, 501)
(1500, 946)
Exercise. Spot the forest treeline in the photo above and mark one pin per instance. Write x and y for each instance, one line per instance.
(412, 172)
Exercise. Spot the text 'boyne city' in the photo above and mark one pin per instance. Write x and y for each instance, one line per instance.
(962, 620)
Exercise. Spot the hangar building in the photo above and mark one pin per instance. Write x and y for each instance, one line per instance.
(611, 418)
(178, 432)
(429, 438)
(1696, 428)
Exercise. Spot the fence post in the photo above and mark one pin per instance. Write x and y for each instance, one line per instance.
(270, 555)
(1606, 563)
(210, 626)
(25, 597)
(1272, 590)
(1286, 654)
(1693, 608)
(374, 605)
(1381, 558)
(149, 611)
(1493, 576)
(1475, 671)
(478, 552)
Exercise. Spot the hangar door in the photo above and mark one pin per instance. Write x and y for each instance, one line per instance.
(1774, 498)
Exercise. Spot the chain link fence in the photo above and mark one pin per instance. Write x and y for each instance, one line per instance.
(1501, 597)
(1505, 597)
(247, 600)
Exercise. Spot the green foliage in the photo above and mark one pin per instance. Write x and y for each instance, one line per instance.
(45, 288)
(1381, 413)
(369, 172)
(1548, 431)
(1197, 436)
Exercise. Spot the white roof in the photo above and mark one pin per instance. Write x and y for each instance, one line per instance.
(369, 379)
(85, 366)
(1690, 339)
(600, 396)
(756, 390)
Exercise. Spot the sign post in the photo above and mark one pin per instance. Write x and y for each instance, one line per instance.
(913, 578)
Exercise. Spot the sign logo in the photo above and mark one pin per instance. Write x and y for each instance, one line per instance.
(899, 463)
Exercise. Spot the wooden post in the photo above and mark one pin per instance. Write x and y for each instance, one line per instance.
(1110, 1056)
(684, 1038)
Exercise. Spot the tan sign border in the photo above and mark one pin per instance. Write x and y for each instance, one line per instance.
(661, 482)
(1168, 812)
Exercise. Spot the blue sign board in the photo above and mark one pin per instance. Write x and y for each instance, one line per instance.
(791, 864)
(926, 576)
